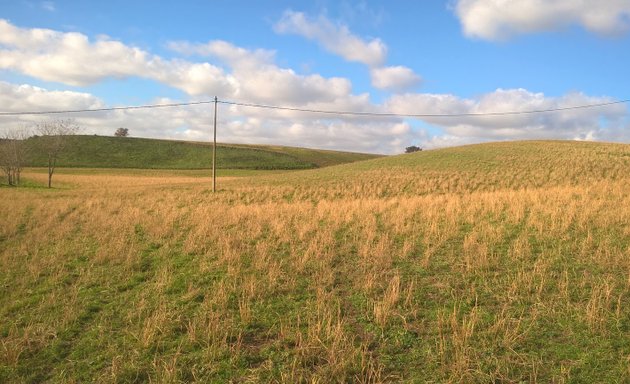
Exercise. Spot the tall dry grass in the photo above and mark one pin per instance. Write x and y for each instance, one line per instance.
(157, 279)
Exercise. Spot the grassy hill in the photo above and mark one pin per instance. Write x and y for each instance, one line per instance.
(127, 152)
(465, 169)
(501, 263)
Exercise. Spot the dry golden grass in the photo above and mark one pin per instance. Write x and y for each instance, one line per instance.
(434, 273)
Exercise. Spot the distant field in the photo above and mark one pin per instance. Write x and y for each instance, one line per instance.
(473, 168)
(161, 172)
(500, 262)
(129, 152)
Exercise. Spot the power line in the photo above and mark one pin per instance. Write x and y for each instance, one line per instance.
(391, 114)
(328, 112)
(146, 106)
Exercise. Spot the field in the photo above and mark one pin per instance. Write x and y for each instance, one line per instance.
(501, 262)
(131, 152)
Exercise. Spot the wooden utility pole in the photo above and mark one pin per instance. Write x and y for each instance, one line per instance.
(214, 149)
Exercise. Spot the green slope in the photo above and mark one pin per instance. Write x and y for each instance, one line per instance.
(127, 152)
(479, 167)
(504, 157)
(319, 157)
(172, 283)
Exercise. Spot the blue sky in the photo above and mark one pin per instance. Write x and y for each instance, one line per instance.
(406, 57)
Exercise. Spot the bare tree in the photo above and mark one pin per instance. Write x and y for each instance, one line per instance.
(122, 132)
(12, 154)
(6, 162)
(55, 139)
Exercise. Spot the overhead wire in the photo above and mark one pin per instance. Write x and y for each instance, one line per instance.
(393, 114)
(320, 111)
(146, 106)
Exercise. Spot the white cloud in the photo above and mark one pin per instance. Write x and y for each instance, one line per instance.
(236, 73)
(568, 124)
(384, 135)
(19, 98)
(334, 38)
(501, 19)
(229, 53)
(67, 57)
(395, 78)
(236, 124)
(338, 39)
(258, 79)
(71, 58)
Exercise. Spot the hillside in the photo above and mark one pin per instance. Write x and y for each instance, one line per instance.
(465, 169)
(127, 152)
(491, 263)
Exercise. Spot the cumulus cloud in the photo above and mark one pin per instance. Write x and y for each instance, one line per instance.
(71, 58)
(241, 74)
(258, 78)
(236, 124)
(335, 38)
(229, 53)
(66, 57)
(338, 39)
(575, 124)
(16, 98)
(395, 78)
(384, 135)
(501, 19)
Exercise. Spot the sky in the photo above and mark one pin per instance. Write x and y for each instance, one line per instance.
(401, 57)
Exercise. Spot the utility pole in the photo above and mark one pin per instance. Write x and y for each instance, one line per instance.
(214, 149)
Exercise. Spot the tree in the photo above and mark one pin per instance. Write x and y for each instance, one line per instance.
(12, 154)
(122, 132)
(413, 149)
(55, 137)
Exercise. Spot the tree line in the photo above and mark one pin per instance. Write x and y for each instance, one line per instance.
(55, 136)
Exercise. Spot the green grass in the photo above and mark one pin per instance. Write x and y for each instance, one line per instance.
(511, 262)
(465, 169)
(500, 156)
(319, 157)
(127, 152)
